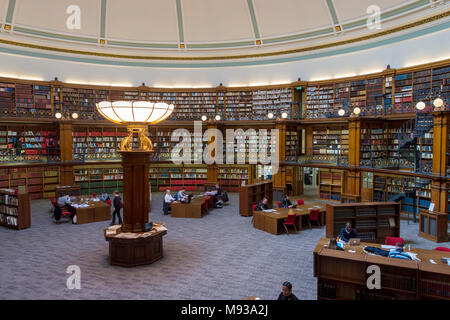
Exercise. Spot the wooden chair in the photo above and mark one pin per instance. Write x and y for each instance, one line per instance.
(253, 210)
(392, 241)
(290, 221)
(442, 249)
(314, 216)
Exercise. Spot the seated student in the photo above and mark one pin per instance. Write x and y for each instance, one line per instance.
(217, 197)
(398, 252)
(333, 245)
(168, 199)
(183, 197)
(104, 197)
(286, 293)
(65, 203)
(263, 204)
(286, 203)
(347, 233)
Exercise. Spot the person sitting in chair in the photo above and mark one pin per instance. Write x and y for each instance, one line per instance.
(183, 197)
(398, 252)
(168, 199)
(347, 233)
(64, 203)
(286, 203)
(104, 197)
(217, 197)
(263, 204)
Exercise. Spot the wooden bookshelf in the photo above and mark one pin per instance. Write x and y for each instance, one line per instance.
(14, 209)
(433, 226)
(231, 177)
(253, 193)
(331, 184)
(373, 221)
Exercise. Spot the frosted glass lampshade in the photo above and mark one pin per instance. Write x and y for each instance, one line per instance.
(129, 112)
(218, 118)
(270, 115)
(438, 102)
(204, 118)
(58, 115)
(357, 111)
(284, 115)
(420, 105)
(341, 112)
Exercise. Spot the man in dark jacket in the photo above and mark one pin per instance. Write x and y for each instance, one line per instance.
(347, 233)
(263, 204)
(117, 202)
(286, 203)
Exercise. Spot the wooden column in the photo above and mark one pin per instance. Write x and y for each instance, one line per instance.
(65, 143)
(279, 179)
(353, 183)
(136, 195)
(211, 178)
(439, 191)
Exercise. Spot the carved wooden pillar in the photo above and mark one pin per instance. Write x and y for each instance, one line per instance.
(279, 179)
(65, 143)
(212, 169)
(353, 185)
(136, 196)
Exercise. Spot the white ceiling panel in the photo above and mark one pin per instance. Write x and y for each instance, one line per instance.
(351, 9)
(52, 16)
(216, 20)
(149, 20)
(290, 16)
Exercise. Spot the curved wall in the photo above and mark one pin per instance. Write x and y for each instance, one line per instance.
(402, 50)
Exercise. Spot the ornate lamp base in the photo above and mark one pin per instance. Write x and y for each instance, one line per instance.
(144, 143)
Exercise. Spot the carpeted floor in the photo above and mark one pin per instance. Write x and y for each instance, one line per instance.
(218, 257)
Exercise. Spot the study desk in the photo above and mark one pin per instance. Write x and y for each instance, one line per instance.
(189, 210)
(95, 211)
(345, 274)
(271, 222)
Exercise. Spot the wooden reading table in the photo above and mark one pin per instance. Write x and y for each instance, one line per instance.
(271, 222)
(189, 210)
(95, 211)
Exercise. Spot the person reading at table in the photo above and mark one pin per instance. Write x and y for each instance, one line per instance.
(398, 252)
(104, 197)
(65, 203)
(347, 233)
(183, 197)
(286, 292)
(168, 199)
(286, 203)
(263, 204)
(117, 202)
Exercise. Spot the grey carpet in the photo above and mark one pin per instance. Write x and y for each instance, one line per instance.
(218, 257)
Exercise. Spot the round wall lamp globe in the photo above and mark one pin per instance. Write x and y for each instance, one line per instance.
(270, 115)
(341, 112)
(420, 105)
(75, 115)
(357, 111)
(438, 102)
(218, 118)
(284, 115)
(204, 118)
(58, 115)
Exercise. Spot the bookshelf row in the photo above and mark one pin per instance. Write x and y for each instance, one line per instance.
(331, 184)
(389, 94)
(39, 182)
(14, 209)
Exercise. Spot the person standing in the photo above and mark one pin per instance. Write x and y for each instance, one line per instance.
(117, 202)
(286, 293)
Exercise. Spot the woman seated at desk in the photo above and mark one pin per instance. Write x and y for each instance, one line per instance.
(168, 199)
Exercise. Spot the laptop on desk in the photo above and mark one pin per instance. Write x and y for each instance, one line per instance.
(354, 241)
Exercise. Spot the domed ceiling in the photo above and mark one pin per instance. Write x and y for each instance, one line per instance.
(206, 29)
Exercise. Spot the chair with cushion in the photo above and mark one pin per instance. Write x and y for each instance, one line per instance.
(279, 204)
(290, 221)
(442, 249)
(392, 241)
(300, 202)
(314, 216)
(94, 195)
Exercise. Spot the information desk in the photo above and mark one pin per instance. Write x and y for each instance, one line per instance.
(189, 210)
(343, 274)
(271, 222)
(95, 211)
(134, 249)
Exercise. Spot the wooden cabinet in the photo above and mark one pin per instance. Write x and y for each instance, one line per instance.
(253, 193)
(433, 226)
(14, 209)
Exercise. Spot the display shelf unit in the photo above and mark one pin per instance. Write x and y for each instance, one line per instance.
(231, 177)
(331, 184)
(97, 143)
(247, 146)
(28, 143)
(425, 147)
(174, 177)
(238, 105)
(98, 178)
(275, 101)
(403, 93)
(293, 144)
(329, 141)
(373, 221)
(14, 209)
(253, 193)
(374, 97)
(319, 101)
(422, 88)
(388, 98)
